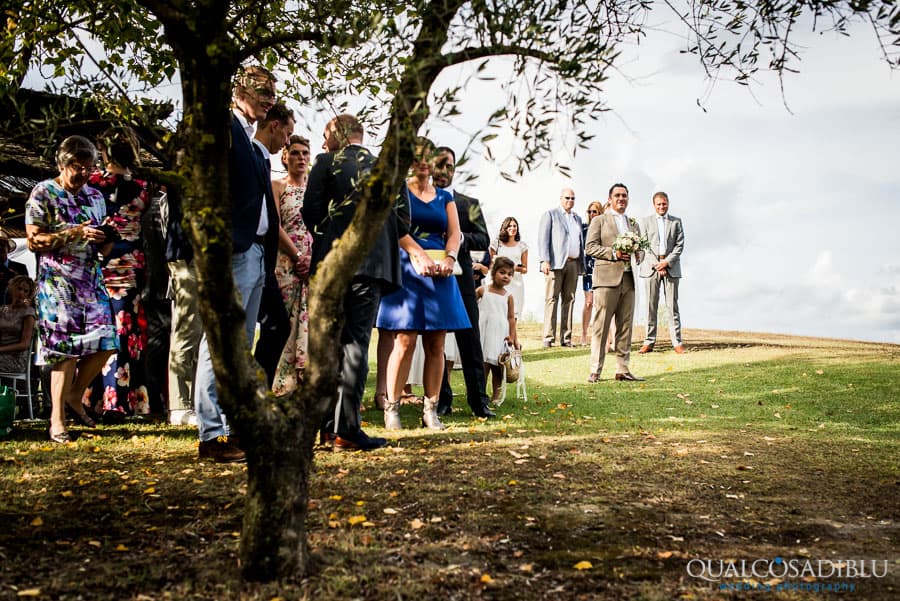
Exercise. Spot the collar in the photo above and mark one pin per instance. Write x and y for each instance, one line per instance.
(265, 151)
(250, 128)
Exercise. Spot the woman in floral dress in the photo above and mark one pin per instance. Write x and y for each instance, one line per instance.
(121, 389)
(76, 333)
(292, 267)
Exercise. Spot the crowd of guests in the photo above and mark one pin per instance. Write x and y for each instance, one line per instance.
(433, 270)
(570, 247)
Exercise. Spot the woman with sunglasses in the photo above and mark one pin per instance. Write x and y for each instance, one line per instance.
(594, 209)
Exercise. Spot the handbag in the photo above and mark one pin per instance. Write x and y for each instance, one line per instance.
(514, 371)
(437, 256)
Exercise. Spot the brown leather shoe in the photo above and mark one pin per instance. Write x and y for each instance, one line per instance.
(221, 450)
(647, 348)
(628, 377)
(679, 349)
(593, 378)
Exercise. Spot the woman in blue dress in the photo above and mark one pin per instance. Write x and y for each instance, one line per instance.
(429, 303)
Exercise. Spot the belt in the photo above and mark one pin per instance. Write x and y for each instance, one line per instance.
(261, 240)
(572, 259)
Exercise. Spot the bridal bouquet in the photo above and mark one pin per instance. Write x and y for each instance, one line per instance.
(630, 243)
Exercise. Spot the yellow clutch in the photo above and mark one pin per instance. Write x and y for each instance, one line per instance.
(438, 255)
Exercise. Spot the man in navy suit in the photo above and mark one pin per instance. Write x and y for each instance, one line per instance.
(255, 241)
(475, 237)
(332, 195)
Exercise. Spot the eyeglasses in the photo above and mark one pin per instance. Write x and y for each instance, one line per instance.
(81, 167)
(569, 197)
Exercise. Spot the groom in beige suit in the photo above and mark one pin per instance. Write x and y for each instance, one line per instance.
(614, 285)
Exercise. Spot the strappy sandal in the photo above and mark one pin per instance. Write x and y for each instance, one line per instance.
(59, 437)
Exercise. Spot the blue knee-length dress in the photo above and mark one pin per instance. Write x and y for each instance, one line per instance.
(425, 303)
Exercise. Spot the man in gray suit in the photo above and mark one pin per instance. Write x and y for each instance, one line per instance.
(662, 266)
(561, 252)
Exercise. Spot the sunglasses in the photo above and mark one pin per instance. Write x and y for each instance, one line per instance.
(593, 212)
(569, 197)
(264, 93)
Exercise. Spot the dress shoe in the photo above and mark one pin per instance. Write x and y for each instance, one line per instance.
(443, 410)
(326, 438)
(628, 377)
(221, 450)
(547, 344)
(566, 344)
(647, 348)
(484, 412)
(357, 441)
(593, 378)
(679, 349)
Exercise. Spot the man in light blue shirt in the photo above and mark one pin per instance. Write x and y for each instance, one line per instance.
(561, 253)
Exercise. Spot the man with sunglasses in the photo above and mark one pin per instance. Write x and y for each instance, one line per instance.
(254, 221)
(561, 253)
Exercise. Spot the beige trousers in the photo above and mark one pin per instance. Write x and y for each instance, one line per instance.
(609, 302)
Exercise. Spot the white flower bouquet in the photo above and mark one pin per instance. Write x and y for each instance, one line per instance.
(630, 242)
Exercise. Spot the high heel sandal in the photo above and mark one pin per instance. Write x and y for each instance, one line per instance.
(60, 437)
(379, 400)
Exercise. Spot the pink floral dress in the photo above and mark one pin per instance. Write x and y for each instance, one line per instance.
(121, 387)
(294, 291)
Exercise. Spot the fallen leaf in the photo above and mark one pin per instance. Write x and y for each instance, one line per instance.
(486, 579)
(417, 524)
(120, 547)
(95, 543)
(336, 497)
(526, 567)
(29, 592)
(819, 372)
(583, 565)
(744, 468)
(390, 511)
(37, 522)
(356, 519)
(664, 554)
(66, 493)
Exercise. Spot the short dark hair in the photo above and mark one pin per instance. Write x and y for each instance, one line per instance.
(295, 139)
(447, 149)
(614, 186)
(279, 112)
(501, 262)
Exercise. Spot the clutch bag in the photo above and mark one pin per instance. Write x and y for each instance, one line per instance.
(438, 255)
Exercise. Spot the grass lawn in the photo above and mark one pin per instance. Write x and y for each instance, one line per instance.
(747, 447)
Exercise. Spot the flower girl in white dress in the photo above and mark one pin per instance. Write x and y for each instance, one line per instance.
(497, 319)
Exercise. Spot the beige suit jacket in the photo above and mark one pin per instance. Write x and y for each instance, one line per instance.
(608, 271)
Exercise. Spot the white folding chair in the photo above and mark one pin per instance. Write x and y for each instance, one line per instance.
(14, 378)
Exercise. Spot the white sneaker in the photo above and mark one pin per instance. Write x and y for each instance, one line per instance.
(183, 417)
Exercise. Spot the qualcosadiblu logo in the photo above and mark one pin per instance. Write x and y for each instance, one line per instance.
(716, 570)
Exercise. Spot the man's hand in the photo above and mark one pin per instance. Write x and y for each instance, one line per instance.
(661, 266)
(545, 267)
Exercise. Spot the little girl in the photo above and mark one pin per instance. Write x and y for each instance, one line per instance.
(497, 319)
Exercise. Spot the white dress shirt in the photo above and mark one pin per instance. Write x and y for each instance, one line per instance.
(661, 228)
(574, 248)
